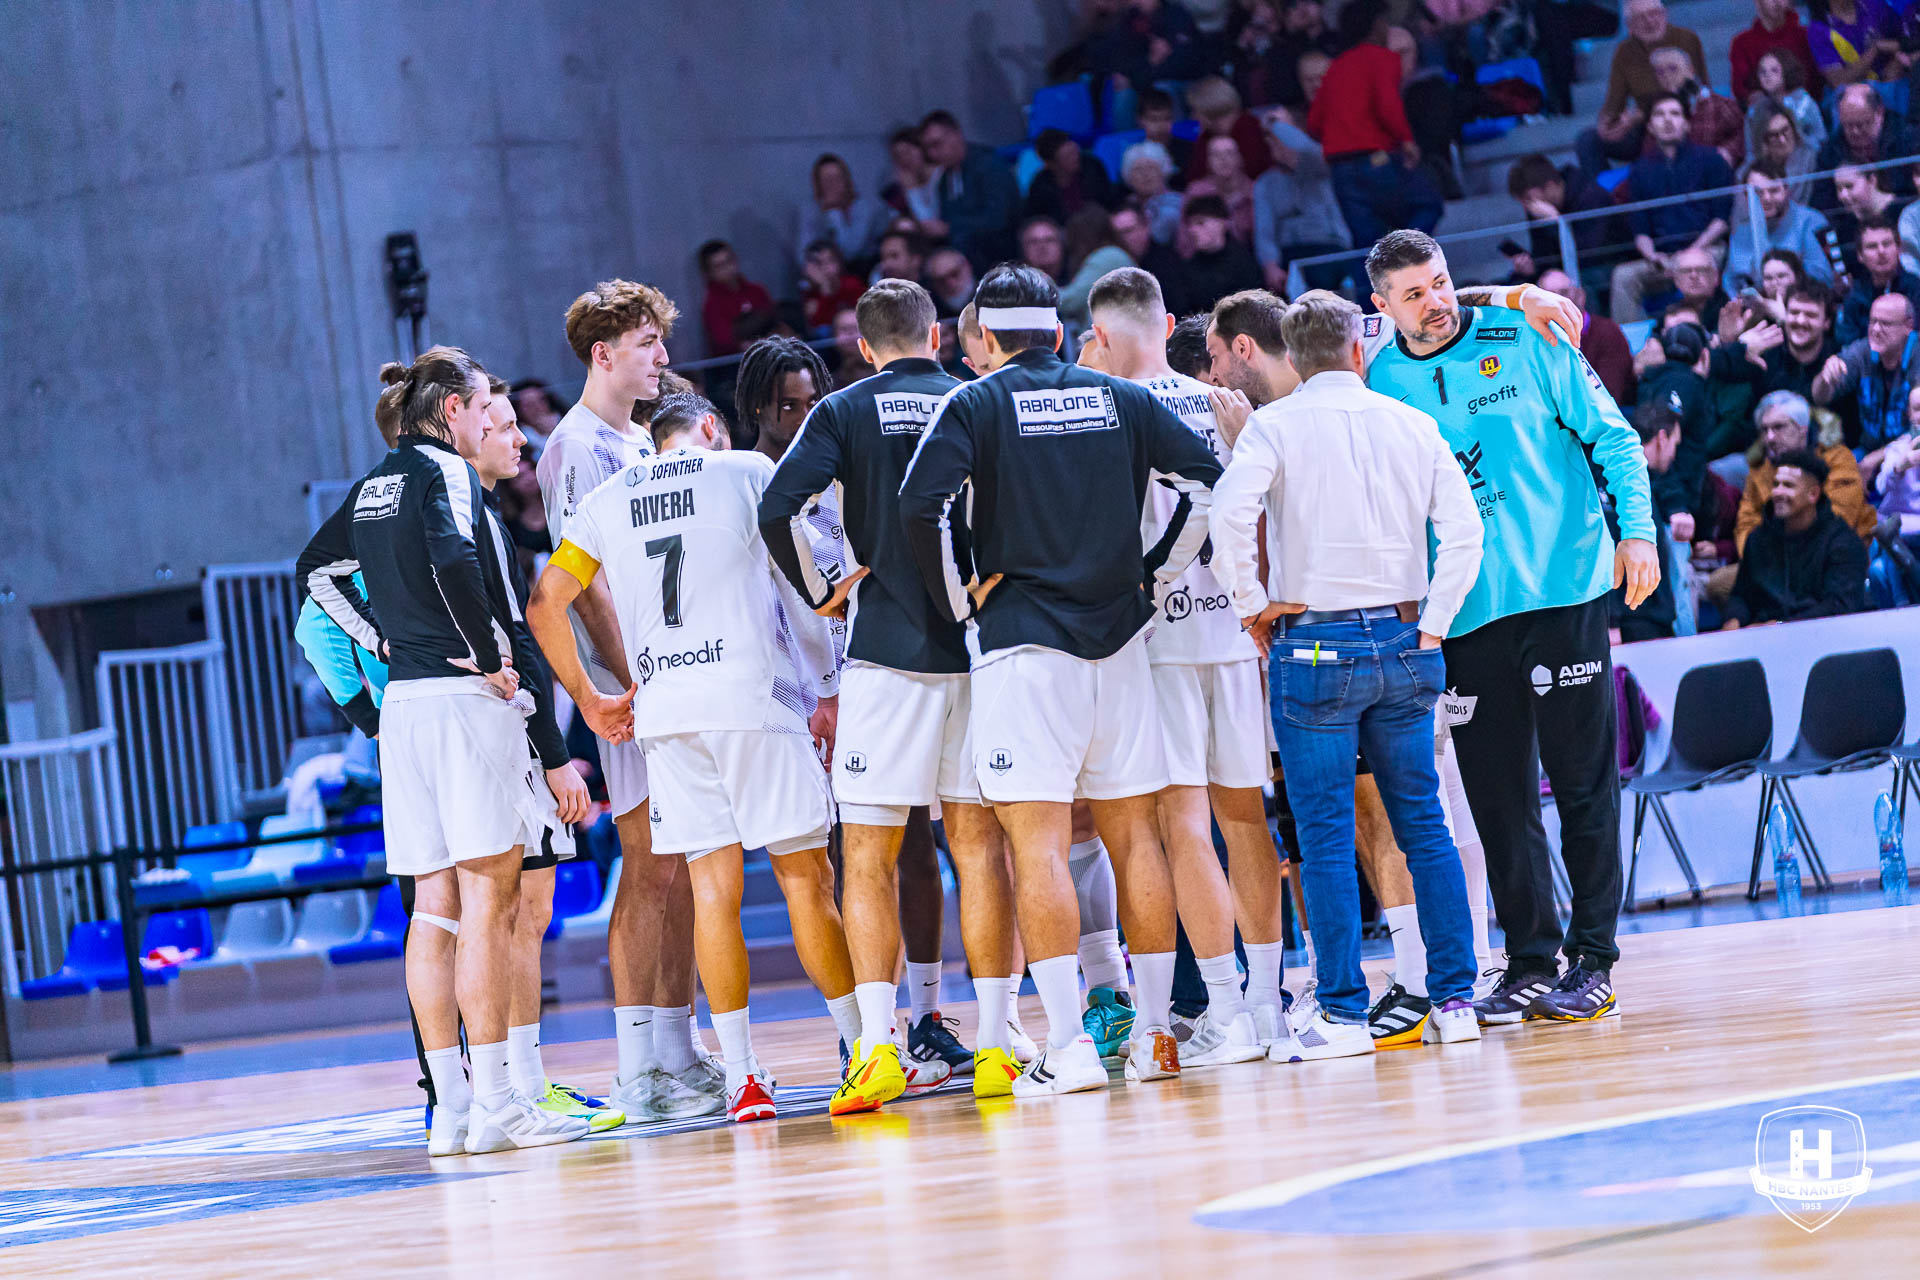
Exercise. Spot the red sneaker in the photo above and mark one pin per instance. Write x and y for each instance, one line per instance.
(751, 1101)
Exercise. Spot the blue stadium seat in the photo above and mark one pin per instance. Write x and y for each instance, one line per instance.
(1512, 69)
(61, 982)
(1068, 107)
(367, 843)
(576, 892)
(201, 866)
(385, 935)
(185, 930)
(1612, 178)
(347, 859)
(1026, 167)
(1110, 148)
(96, 958)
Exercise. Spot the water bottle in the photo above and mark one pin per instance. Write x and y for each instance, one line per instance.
(1893, 854)
(1785, 843)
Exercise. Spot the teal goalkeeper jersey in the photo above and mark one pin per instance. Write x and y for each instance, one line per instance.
(1520, 417)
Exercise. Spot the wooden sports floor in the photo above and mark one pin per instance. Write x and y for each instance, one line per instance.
(1617, 1149)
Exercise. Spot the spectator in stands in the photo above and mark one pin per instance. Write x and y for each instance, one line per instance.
(910, 190)
(1776, 29)
(1898, 485)
(1219, 264)
(1092, 250)
(1786, 224)
(1147, 168)
(1697, 276)
(1780, 146)
(1362, 127)
(1429, 97)
(1785, 425)
(901, 257)
(840, 214)
(1216, 105)
(1659, 430)
(1863, 198)
(1781, 272)
(1313, 68)
(1802, 561)
(1557, 24)
(1226, 178)
(735, 310)
(538, 410)
(1783, 87)
(1866, 135)
(1042, 246)
(1877, 373)
(1601, 340)
(1154, 116)
(1295, 214)
(1678, 381)
(1854, 40)
(978, 195)
(1632, 85)
(1713, 121)
(950, 280)
(1131, 232)
(1068, 179)
(1267, 45)
(826, 287)
(1672, 166)
(1783, 356)
(1143, 41)
(1880, 272)
(1545, 191)
(849, 366)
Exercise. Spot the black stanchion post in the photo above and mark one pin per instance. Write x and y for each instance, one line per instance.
(143, 1045)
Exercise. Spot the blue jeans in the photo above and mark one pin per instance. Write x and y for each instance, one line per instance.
(1378, 198)
(1371, 688)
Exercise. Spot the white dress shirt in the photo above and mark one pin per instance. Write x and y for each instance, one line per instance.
(1351, 481)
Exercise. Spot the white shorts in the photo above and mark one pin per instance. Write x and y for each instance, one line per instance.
(902, 741)
(456, 780)
(1210, 721)
(623, 766)
(1049, 726)
(737, 786)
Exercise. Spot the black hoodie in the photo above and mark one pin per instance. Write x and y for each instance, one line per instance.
(1818, 573)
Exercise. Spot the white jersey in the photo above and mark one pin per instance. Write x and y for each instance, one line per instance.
(1196, 623)
(697, 597)
(827, 540)
(582, 454)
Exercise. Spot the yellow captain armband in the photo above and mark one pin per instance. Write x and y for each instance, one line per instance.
(582, 566)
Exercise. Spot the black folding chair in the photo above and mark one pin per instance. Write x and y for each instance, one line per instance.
(1722, 731)
(1851, 717)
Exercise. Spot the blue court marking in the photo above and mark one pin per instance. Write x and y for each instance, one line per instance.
(1677, 1165)
(401, 1129)
(36, 1215)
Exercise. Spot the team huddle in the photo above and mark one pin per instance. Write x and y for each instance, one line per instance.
(1076, 612)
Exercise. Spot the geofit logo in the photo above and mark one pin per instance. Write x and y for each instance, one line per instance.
(1811, 1162)
(1542, 680)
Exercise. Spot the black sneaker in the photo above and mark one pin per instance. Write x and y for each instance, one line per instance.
(1511, 997)
(1397, 1020)
(1582, 995)
(931, 1039)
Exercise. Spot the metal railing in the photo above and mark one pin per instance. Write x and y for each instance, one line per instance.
(175, 738)
(62, 799)
(324, 497)
(251, 609)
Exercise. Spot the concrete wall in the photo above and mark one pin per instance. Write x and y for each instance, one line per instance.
(194, 198)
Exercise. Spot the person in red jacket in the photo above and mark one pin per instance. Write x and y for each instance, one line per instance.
(1361, 125)
(1775, 27)
(734, 306)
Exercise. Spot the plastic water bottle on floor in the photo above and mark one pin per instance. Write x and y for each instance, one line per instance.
(1893, 854)
(1785, 843)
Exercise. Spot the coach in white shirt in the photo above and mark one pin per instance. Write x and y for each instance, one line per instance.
(1352, 482)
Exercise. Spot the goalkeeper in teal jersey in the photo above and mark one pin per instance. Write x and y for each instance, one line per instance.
(1529, 647)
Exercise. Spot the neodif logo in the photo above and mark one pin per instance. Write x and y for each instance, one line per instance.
(1811, 1162)
(647, 666)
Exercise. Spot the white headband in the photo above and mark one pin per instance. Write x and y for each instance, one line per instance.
(1010, 318)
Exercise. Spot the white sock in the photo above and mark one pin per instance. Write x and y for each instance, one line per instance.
(923, 990)
(1101, 961)
(991, 996)
(1011, 986)
(1473, 860)
(633, 1040)
(1409, 949)
(846, 1016)
(450, 1087)
(492, 1085)
(875, 1003)
(524, 1068)
(694, 1042)
(1265, 962)
(1306, 944)
(672, 1048)
(1153, 990)
(1058, 979)
(1222, 976)
(736, 1046)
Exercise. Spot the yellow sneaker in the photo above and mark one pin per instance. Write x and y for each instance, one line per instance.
(565, 1100)
(994, 1072)
(874, 1078)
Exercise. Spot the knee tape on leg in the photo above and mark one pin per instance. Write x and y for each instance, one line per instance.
(872, 815)
(1093, 885)
(438, 922)
(815, 840)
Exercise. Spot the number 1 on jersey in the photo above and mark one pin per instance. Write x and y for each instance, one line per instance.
(1440, 384)
(675, 553)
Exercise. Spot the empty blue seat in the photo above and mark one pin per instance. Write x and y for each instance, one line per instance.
(96, 958)
(366, 843)
(190, 930)
(576, 892)
(1110, 148)
(1067, 107)
(385, 937)
(60, 982)
(347, 859)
